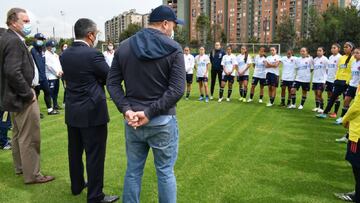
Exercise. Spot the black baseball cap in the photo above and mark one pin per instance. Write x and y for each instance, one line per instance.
(39, 36)
(162, 13)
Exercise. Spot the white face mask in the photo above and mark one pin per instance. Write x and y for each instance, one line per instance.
(172, 34)
(110, 48)
(53, 49)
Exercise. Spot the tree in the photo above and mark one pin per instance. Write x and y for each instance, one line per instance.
(181, 36)
(130, 31)
(285, 33)
(202, 27)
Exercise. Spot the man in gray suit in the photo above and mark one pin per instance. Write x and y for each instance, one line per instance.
(17, 96)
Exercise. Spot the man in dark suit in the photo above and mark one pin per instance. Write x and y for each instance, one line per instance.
(86, 114)
(18, 97)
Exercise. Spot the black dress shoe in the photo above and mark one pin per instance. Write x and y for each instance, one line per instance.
(108, 199)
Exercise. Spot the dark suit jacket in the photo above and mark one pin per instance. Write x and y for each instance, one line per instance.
(16, 73)
(85, 72)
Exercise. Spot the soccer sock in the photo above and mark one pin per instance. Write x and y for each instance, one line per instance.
(303, 99)
(344, 110)
(187, 94)
(201, 95)
(293, 99)
(207, 96)
(288, 102)
(317, 103)
(221, 92)
(337, 106)
(245, 93)
(321, 104)
(282, 100)
(241, 92)
(272, 99)
(261, 96)
(251, 95)
(229, 93)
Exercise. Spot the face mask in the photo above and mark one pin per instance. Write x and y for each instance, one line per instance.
(39, 43)
(53, 49)
(110, 48)
(172, 34)
(27, 29)
(64, 48)
(96, 41)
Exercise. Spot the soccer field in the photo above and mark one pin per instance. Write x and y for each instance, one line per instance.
(228, 152)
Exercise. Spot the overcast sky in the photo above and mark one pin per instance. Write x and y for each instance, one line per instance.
(46, 14)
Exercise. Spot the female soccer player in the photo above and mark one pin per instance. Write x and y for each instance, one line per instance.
(302, 79)
(259, 75)
(189, 67)
(244, 62)
(342, 78)
(288, 76)
(229, 66)
(272, 74)
(332, 68)
(202, 64)
(319, 78)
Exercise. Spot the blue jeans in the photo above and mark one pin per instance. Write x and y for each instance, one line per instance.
(163, 140)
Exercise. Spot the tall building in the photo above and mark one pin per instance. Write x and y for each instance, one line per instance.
(218, 20)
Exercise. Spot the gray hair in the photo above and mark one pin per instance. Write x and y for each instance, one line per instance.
(12, 15)
(83, 26)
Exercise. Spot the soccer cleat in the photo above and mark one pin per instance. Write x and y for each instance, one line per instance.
(321, 115)
(244, 100)
(186, 98)
(301, 107)
(201, 99)
(348, 197)
(315, 109)
(240, 99)
(282, 104)
(269, 104)
(320, 111)
(7, 147)
(207, 99)
(292, 106)
(333, 115)
(53, 112)
(342, 140)
(338, 121)
(220, 100)
(249, 100)
(260, 101)
(211, 97)
(227, 99)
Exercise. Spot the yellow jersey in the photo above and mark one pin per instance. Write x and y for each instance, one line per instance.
(344, 71)
(353, 117)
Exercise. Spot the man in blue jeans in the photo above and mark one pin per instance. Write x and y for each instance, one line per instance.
(151, 65)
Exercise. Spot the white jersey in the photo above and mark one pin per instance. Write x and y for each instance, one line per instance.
(109, 56)
(320, 69)
(272, 60)
(355, 74)
(229, 62)
(201, 65)
(242, 64)
(332, 67)
(289, 68)
(303, 69)
(259, 70)
(189, 63)
(52, 64)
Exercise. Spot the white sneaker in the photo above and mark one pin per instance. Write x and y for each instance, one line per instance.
(292, 106)
(301, 107)
(240, 99)
(269, 105)
(315, 109)
(220, 100)
(343, 139)
(249, 100)
(338, 121)
(186, 98)
(320, 111)
(211, 97)
(260, 101)
(227, 99)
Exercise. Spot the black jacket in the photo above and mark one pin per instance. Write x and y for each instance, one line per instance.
(85, 72)
(16, 73)
(216, 58)
(151, 65)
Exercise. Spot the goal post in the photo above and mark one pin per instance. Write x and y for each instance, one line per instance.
(253, 48)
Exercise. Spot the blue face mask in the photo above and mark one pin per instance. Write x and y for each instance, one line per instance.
(39, 43)
(27, 29)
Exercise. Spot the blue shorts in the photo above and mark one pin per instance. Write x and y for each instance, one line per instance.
(286, 83)
(329, 86)
(351, 92)
(189, 78)
(256, 80)
(318, 86)
(227, 78)
(201, 79)
(272, 79)
(242, 78)
(304, 85)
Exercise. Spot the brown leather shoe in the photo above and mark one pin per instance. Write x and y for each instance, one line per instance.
(42, 179)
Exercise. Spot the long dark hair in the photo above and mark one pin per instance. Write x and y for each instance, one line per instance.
(246, 54)
(350, 55)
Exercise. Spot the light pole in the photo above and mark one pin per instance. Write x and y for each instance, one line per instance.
(37, 27)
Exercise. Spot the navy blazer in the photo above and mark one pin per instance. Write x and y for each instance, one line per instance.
(85, 72)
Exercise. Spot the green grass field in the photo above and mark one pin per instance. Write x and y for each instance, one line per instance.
(228, 152)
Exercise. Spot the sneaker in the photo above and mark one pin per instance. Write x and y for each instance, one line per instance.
(301, 107)
(201, 98)
(240, 99)
(338, 121)
(227, 99)
(7, 147)
(53, 112)
(269, 105)
(333, 115)
(342, 140)
(292, 106)
(249, 100)
(211, 97)
(244, 100)
(186, 98)
(320, 111)
(57, 107)
(349, 197)
(282, 104)
(260, 101)
(321, 115)
(315, 109)
(207, 99)
(220, 100)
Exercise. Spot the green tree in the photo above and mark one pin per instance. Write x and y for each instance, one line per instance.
(130, 31)
(181, 36)
(285, 33)
(202, 27)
